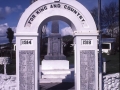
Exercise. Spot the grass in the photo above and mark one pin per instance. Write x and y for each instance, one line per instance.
(112, 64)
(70, 58)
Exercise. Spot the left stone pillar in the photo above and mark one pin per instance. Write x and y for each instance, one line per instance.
(27, 61)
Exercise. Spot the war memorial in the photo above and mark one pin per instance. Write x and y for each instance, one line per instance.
(55, 65)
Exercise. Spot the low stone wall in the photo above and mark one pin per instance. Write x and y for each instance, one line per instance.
(111, 82)
(7, 82)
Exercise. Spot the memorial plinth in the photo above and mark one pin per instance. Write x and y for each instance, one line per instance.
(55, 47)
(55, 59)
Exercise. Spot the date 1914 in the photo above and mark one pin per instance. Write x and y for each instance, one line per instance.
(26, 42)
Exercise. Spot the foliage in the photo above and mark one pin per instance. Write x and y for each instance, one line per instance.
(109, 16)
(67, 49)
(67, 38)
(94, 13)
(10, 34)
(106, 36)
(112, 63)
(117, 42)
(109, 19)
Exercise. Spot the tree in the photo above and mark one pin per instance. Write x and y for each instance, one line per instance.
(94, 13)
(109, 19)
(117, 42)
(67, 49)
(10, 36)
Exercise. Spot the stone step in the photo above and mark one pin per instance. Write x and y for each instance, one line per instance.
(56, 71)
(61, 76)
(54, 80)
(51, 80)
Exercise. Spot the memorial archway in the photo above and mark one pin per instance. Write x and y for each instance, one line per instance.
(27, 34)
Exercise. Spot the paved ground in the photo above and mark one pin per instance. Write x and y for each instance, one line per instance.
(57, 86)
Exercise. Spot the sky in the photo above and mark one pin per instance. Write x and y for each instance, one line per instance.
(11, 10)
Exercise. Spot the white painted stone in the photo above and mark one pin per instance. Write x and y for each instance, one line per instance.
(52, 12)
(109, 82)
(55, 65)
(61, 76)
(118, 84)
(51, 80)
(55, 80)
(57, 71)
(109, 87)
(30, 31)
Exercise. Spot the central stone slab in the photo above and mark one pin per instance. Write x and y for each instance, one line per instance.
(55, 47)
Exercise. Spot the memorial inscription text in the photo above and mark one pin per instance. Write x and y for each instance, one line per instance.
(87, 69)
(26, 70)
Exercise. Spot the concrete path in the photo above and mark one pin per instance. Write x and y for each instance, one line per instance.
(57, 86)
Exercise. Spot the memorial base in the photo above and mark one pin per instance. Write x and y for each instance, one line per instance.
(56, 57)
(55, 69)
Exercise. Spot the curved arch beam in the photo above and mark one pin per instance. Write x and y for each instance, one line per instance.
(64, 12)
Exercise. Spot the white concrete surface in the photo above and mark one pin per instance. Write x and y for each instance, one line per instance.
(55, 65)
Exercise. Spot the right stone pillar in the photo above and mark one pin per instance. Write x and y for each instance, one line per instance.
(86, 60)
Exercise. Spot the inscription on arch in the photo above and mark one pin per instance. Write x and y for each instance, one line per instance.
(45, 7)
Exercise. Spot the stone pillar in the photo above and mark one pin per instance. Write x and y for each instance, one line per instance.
(27, 61)
(86, 60)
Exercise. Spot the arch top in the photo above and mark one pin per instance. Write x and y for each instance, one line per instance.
(72, 10)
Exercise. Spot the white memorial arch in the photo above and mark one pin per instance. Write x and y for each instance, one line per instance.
(28, 43)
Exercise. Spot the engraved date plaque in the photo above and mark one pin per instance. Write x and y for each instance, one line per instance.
(87, 70)
(27, 70)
